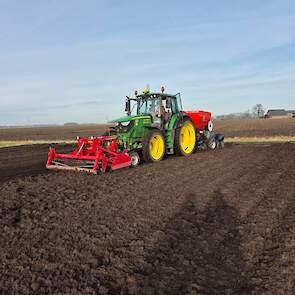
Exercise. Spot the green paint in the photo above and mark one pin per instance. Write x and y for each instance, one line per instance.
(130, 136)
(130, 118)
(173, 120)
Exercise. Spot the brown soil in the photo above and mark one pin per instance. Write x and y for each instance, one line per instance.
(255, 127)
(20, 161)
(52, 132)
(219, 222)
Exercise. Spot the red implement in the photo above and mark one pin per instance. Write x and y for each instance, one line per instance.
(200, 118)
(91, 155)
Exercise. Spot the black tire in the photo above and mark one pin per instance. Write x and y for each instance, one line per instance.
(146, 145)
(211, 144)
(198, 140)
(177, 146)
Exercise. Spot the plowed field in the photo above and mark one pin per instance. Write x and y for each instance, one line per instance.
(52, 132)
(229, 127)
(256, 127)
(220, 222)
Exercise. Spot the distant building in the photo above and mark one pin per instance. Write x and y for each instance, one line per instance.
(71, 124)
(291, 113)
(280, 113)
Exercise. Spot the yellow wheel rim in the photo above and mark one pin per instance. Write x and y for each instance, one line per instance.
(187, 137)
(157, 147)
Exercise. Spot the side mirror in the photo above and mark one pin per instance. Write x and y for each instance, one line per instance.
(127, 106)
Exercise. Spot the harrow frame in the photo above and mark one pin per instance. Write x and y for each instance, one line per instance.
(98, 154)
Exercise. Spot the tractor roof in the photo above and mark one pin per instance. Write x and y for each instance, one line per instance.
(156, 94)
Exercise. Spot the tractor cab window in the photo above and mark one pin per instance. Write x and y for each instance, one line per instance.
(146, 106)
(174, 105)
(149, 105)
(171, 104)
(143, 107)
(178, 102)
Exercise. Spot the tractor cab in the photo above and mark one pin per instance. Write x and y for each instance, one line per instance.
(160, 107)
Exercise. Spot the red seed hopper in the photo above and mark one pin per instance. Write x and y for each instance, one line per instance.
(96, 154)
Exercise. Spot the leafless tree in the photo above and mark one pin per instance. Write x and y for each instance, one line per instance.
(258, 110)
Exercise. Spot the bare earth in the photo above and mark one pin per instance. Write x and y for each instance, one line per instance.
(220, 222)
(256, 127)
(52, 132)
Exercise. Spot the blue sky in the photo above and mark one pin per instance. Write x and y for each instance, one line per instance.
(64, 61)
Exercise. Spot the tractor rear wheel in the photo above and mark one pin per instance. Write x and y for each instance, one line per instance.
(185, 138)
(153, 146)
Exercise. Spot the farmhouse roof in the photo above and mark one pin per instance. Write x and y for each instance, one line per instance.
(277, 112)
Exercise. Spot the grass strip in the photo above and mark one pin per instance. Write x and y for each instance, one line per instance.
(261, 139)
(8, 143)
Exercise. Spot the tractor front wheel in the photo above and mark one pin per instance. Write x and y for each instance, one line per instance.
(185, 138)
(153, 146)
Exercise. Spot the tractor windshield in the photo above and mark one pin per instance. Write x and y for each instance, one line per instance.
(149, 105)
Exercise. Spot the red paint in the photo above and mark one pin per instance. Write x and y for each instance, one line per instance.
(102, 151)
(199, 118)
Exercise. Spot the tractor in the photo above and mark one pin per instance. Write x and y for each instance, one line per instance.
(155, 125)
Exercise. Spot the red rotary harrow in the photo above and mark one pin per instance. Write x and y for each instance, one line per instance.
(91, 155)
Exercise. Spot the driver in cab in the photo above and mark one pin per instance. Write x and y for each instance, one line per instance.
(165, 115)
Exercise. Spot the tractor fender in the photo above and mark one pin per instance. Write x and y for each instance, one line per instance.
(188, 117)
(177, 123)
(152, 128)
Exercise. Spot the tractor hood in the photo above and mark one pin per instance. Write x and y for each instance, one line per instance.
(129, 118)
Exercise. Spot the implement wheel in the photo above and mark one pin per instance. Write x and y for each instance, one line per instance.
(185, 138)
(135, 158)
(153, 146)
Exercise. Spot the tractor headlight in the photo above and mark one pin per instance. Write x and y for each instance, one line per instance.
(124, 124)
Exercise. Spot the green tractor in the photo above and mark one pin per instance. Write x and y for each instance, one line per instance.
(154, 126)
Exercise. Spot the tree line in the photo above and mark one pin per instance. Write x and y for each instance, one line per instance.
(257, 111)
